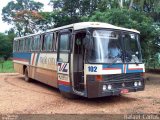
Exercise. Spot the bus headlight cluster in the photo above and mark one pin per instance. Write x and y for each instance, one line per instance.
(137, 83)
(107, 87)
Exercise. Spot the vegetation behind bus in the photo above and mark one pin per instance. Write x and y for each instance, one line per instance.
(143, 16)
(6, 66)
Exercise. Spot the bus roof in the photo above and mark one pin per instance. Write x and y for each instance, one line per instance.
(83, 25)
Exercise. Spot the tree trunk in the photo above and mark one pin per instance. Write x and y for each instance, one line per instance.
(121, 3)
(130, 5)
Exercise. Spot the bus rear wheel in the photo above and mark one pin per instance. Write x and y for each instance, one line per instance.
(26, 77)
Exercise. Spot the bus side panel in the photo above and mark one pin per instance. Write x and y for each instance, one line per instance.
(43, 68)
(21, 60)
(46, 76)
(18, 67)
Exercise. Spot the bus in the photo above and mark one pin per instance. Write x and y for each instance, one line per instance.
(89, 59)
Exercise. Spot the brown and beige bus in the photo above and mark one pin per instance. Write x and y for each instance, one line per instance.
(89, 59)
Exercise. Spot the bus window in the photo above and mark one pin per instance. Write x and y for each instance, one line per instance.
(131, 42)
(55, 41)
(36, 43)
(63, 47)
(48, 42)
(15, 45)
(27, 44)
(64, 42)
(21, 45)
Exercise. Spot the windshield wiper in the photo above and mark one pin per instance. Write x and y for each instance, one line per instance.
(118, 57)
(114, 60)
(130, 56)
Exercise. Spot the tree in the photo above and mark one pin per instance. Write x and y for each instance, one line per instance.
(55, 19)
(22, 14)
(57, 5)
(75, 7)
(6, 44)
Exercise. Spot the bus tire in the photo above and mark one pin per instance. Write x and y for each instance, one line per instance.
(26, 77)
(68, 95)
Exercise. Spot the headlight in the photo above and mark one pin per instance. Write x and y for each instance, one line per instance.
(104, 88)
(109, 87)
(139, 83)
(135, 84)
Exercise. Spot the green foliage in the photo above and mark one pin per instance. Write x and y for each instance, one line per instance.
(5, 46)
(6, 67)
(55, 19)
(22, 14)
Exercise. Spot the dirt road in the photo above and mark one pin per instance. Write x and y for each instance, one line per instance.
(20, 97)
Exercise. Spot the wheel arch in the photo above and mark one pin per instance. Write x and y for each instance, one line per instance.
(24, 67)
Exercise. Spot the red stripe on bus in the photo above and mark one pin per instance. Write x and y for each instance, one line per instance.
(33, 58)
(135, 69)
(20, 59)
(63, 82)
(111, 69)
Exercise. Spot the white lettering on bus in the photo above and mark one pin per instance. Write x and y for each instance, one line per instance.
(45, 60)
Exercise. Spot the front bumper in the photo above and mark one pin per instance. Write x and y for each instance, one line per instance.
(94, 88)
(118, 91)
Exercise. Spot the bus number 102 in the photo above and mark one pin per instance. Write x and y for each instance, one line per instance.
(92, 69)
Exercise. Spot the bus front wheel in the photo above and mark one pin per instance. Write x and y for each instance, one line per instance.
(26, 77)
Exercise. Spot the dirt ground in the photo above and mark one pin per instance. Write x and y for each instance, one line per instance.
(20, 97)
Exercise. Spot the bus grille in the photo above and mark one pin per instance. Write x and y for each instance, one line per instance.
(119, 85)
(122, 77)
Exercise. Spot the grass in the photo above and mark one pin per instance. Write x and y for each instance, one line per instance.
(6, 67)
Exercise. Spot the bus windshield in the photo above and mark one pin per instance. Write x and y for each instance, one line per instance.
(109, 46)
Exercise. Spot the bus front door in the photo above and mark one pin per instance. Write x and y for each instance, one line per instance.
(63, 61)
(78, 62)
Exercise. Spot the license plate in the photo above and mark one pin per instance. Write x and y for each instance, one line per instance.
(123, 91)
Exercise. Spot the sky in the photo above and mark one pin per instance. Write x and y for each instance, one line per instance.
(3, 3)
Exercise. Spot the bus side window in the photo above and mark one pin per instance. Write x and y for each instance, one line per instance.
(47, 42)
(27, 44)
(64, 42)
(55, 42)
(33, 44)
(15, 46)
(21, 45)
(36, 43)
